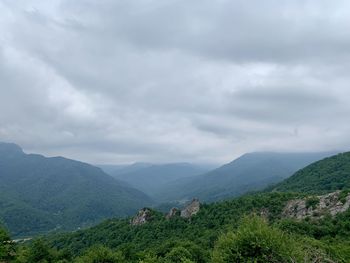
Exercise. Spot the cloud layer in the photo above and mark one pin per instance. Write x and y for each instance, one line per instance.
(199, 81)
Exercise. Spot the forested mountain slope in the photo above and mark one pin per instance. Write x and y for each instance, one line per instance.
(41, 194)
(323, 176)
(197, 238)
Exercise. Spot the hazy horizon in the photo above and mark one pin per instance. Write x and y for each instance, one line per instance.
(115, 82)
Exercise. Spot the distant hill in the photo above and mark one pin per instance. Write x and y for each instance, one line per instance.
(250, 172)
(115, 170)
(40, 194)
(327, 175)
(151, 178)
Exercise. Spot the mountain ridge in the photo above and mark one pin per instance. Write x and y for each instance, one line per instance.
(329, 174)
(249, 172)
(67, 193)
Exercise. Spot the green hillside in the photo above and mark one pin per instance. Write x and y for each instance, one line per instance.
(327, 175)
(39, 194)
(243, 229)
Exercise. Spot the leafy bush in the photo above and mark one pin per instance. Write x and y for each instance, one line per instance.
(7, 247)
(256, 241)
(101, 254)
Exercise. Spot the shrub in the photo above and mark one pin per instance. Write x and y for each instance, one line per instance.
(256, 241)
(7, 247)
(101, 254)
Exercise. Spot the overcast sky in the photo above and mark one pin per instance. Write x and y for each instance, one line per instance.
(109, 81)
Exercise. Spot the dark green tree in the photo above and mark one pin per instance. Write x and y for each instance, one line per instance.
(101, 254)
(39, 252)
(178, 255)
(7, 246)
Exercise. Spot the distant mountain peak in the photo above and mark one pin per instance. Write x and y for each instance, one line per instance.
(10, 149)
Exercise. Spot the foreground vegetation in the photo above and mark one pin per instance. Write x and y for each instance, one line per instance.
(247, 229)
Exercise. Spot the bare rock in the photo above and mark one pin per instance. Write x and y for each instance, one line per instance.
(191, 209)
(322, 205)
(264, 212)
(142, 217)
(296, 209)
(173, 212)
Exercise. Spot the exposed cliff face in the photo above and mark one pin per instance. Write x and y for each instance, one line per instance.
(317, 206)
(142, 217)
(191, 209)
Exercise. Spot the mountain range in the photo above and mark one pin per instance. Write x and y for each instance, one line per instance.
(250, 172)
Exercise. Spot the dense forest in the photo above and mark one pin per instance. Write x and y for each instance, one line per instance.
(250, 227)
(39, 194)
(320, 177)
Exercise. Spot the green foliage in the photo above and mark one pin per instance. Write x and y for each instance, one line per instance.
(343, 195)
(323, 176)
(101, 254)
(149, 258)
(7, 247)
(256, 241)
(178, 255)
(39, 252)
(218, 230)
(39, 194)
(160, 235)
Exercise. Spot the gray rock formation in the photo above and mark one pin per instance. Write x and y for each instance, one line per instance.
(191, 209)
(173, 212)
(142, 217)
(317, 207)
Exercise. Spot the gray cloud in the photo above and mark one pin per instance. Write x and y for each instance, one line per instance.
(122, 81)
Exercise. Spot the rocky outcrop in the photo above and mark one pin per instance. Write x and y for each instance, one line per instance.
(264, 212)
(142, 217)
(145, 214)
(317, 206)
(191, 209)
(173, 212)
